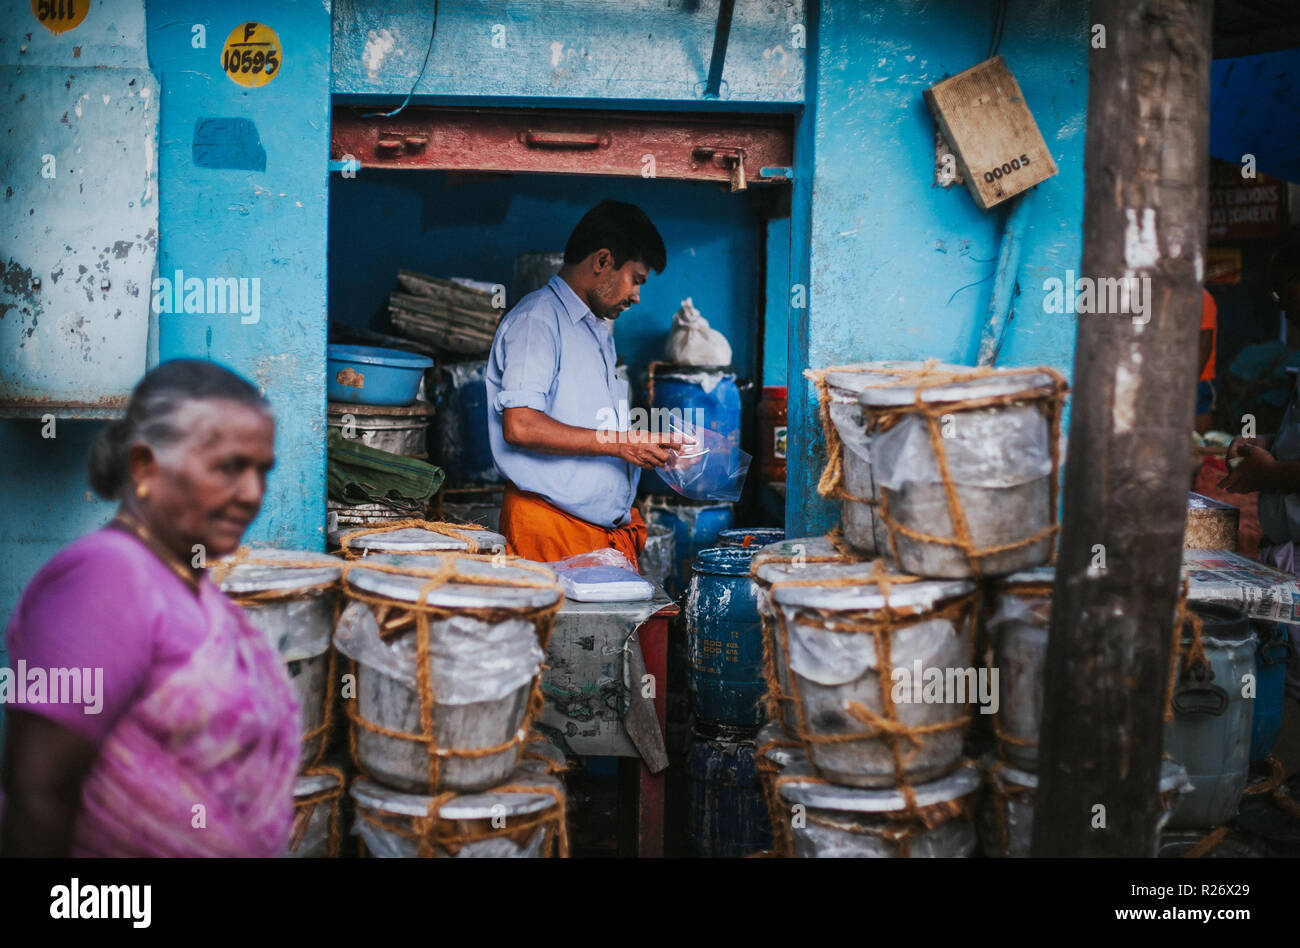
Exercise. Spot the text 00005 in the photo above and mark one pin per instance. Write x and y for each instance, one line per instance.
(1015, 164)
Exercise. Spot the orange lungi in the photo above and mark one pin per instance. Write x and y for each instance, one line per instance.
(536, 529)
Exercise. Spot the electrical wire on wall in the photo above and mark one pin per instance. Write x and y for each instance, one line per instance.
(432, 32)
(999, 24)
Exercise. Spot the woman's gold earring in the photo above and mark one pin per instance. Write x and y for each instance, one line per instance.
(142, 490)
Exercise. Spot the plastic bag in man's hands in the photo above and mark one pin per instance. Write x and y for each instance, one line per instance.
(707, 467)
(692, 342)
(601, 576)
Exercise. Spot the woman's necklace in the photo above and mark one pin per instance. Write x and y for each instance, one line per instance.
(169, 559)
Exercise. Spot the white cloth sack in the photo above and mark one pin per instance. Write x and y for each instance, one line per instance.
(692, 342)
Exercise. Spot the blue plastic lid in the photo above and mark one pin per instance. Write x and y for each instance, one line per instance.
(375, 355)
(725, 560)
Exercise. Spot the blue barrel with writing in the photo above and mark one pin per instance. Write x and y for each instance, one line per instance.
(708, 397)
(1270, 681)
(695, 525)
(1209, 733)
(724, 639)
(728, 816)
(755, 537)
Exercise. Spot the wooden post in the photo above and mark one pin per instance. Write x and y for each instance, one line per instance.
(1127, 475)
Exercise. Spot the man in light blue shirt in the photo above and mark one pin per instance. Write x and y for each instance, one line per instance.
(552, 388)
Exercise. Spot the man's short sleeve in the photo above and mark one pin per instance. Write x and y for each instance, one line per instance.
(529, 354)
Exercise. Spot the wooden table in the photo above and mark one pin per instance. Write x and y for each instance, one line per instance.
(585, 695)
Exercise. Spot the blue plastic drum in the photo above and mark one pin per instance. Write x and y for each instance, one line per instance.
(724, 639)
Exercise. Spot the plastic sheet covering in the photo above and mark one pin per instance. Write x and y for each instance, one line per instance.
(997, 447)
(470, 660)
(835, 658)
(601, 576)
(707, 467)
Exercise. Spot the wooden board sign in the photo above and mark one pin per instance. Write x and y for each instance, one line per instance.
(996, 142)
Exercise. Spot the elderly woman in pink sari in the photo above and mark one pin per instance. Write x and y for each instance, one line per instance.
(191, 746)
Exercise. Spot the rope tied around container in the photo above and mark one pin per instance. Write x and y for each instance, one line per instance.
(305, 808)
(454, 531)
(245, 556)
(901, 826)
(422, 612)
(432, 831)
(880, 623)
(768, 771)
(775, 695)
(1048, 399)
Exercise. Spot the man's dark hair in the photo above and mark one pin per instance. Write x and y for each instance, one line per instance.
(622, 228)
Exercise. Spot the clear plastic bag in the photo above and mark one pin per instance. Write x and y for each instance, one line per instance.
(707, 467)
(601, 576)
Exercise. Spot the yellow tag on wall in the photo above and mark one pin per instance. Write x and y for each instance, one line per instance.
(252, 55)
(59, 16)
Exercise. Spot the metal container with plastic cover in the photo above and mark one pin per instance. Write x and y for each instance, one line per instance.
(1022, 612)
(316, 799)
(1000, 459)
(527, 823)
(1210, 730)
(844, 385)
(838, 637)
(408, 540)
(396, 429)
(289, 595)
(484, 659)
(659, 558)
(777, 751)
(801, 551)
(724, 640)
(851, 822)
(1006, 816)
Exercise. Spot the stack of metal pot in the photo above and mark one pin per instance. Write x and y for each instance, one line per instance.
(946, 476)
(291, 596)
(860, 758)
(446, 653)
(1017, 637)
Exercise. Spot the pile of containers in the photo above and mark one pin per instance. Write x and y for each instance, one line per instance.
(374, 397)
(946, 476)
(447, 650)
(1017, 637)
(291, 596)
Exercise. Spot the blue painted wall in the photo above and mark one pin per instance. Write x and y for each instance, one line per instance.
(895, 267)
(776, 306)
(632, 50)
(250, 202)
(475, 227)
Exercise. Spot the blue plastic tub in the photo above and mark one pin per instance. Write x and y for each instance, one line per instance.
(369, 375)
